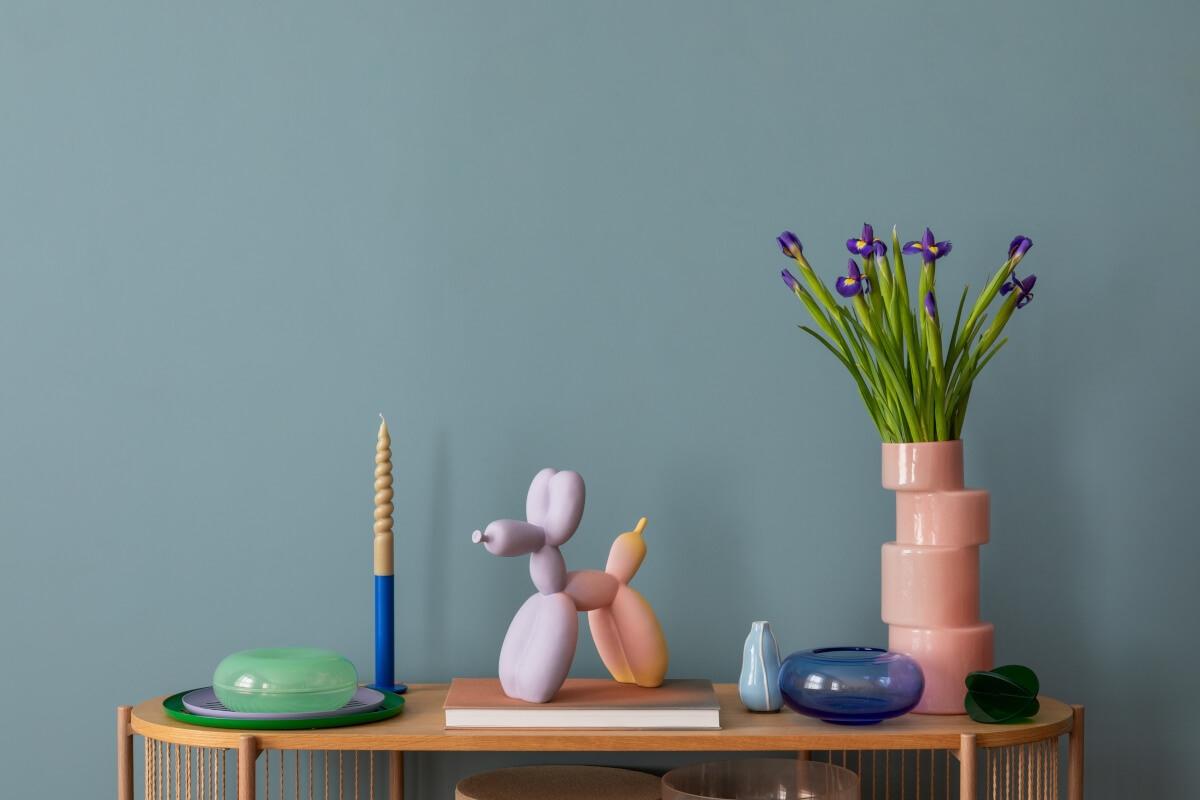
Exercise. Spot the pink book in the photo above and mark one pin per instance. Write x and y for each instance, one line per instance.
(688, 704)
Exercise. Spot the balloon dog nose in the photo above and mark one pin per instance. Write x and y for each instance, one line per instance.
(478, 537)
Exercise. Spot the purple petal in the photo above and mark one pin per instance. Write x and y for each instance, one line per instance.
(943, 248)
(1007, 287)
(928, 239)
(913, 247)
(789, 279)
(931, 305)
(868, 233)
(852, 269)
(856, 246)
(1019, 247)
(880, 248)
(789, 244)
(848, 287)
(1026, 291)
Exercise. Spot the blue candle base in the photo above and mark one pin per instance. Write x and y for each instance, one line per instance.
(385, 632)
(395, 688)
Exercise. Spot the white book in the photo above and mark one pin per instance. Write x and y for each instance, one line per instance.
(584, 703)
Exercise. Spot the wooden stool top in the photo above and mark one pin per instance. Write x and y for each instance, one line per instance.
(559, 783)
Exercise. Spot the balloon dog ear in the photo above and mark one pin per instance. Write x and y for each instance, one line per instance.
(537, 502)
(564, 509)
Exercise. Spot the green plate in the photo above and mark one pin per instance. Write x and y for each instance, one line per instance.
(393, 704)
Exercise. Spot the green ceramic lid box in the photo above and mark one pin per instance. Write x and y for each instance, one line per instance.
(285, 679)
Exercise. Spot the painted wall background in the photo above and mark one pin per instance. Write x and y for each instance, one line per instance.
(539, 233)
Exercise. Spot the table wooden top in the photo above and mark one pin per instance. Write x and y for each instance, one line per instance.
(421, 728)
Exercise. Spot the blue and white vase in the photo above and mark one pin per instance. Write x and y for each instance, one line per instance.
(759, 682)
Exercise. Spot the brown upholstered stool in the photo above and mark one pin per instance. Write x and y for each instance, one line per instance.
(559, 783)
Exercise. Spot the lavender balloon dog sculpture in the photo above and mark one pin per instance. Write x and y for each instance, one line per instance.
(540, 644)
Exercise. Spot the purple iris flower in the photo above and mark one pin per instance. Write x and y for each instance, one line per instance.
(1019, 247)
(931, 306)
(867, 244)
(790, 279)
(1022, 286)
(854, 283)
(929, 249)
(790, 244)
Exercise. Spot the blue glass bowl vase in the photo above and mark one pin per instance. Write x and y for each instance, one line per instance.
(850, 685)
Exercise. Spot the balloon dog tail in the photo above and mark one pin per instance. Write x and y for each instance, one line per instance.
(627, 553)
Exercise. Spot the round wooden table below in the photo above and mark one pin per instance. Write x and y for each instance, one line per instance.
(559, 783)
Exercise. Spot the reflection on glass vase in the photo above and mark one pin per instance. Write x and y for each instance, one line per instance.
(759, 681)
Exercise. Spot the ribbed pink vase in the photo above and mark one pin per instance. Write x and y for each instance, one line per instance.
(931, 571)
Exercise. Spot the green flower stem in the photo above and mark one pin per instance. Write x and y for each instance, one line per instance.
(981, 304)
(867, 396)
(820, 318)
(856, 358)
(891, 299)
(900, 275)
(888, 367)
(814, 283)
(1002, 316)
(904, 314)
(885, 278)
(933, 343)
(951, 353)
(874, 298)
(864, 314)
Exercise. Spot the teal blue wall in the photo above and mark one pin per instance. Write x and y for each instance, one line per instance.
(539, 233)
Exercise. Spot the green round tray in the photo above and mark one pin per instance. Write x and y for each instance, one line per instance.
(393, 704)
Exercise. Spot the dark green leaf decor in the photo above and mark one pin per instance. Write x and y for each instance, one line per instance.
(1004, 694)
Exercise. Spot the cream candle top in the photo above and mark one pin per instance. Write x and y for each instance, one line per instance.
(383, 501)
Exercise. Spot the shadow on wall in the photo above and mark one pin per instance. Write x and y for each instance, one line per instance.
(437, 578)
(696, 548)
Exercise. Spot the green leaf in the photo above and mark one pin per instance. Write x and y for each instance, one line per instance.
(1022, 676)
(868, 399)
(953, 350)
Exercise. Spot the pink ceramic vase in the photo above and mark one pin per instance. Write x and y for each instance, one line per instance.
(931, 572)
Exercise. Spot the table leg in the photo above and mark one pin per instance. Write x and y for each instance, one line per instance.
(124, 754)
(247, 755)
(395, 775)
(1075, 756)
(966, 766)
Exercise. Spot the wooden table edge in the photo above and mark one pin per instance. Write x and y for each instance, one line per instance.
(745, 732)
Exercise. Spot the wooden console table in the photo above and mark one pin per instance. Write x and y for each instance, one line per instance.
(912, 756)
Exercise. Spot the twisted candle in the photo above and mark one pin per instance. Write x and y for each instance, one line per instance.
(385, 626)
(383, 501)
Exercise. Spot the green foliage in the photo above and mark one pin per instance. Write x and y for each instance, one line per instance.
(915, 382)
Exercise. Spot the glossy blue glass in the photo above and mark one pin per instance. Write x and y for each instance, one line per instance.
(850, 685)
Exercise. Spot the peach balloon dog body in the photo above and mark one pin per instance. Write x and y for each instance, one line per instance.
(540, 644)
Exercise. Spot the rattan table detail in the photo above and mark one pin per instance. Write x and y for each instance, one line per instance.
(990, 761)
